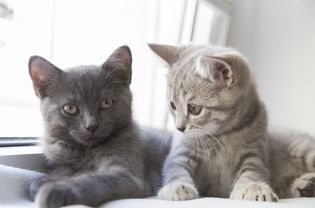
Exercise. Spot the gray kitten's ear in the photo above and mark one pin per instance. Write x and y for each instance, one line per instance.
(168, 53)
(120, 62)
(216, 69)
(43, 74)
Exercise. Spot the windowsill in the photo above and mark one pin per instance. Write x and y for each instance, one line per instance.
(21, 150)
(26, 157)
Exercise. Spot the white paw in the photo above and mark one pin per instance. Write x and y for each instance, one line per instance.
(178, 191)
(254, 192)
(304, 186)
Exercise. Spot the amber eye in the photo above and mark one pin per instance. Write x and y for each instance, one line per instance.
(70, 109)
(172, 104)
(194, 109)
(106, 103)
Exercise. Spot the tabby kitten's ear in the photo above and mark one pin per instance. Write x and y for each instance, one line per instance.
(119, 62)
(45, 76)
(168, 53)
(217, 69)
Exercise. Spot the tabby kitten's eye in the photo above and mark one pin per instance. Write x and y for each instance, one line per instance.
(194, 109)
(106, 103)
(172, 104)
(70, 109)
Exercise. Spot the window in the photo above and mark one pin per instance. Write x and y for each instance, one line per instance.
(76, 32)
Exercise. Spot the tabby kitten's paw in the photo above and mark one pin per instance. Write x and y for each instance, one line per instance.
(254, 192)
(55, 195)
(304, 186)
(178, 191)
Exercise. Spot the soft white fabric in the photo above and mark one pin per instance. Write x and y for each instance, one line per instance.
(14, 183)
(210, 203)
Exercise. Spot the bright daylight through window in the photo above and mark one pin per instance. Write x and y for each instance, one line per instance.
(70, 33)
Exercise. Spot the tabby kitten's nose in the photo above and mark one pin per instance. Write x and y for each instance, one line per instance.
(92, 127)
(182, 128)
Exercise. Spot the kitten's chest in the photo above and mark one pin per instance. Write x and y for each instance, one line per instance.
(213, 172)
(70, 155)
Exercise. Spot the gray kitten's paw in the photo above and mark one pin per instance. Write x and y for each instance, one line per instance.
(55, 195)
(303, 186)
(178, 191)
(254, 192)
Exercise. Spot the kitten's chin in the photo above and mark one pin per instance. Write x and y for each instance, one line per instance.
(91, 141)
(190, 134)
(88, 139)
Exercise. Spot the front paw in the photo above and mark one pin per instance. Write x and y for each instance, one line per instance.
(178, 191)
(55, 195)
(254, 192)
(303, 186)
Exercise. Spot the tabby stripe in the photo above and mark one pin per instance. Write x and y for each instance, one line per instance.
(178, 167)
(248, 119)
(251, 167)
(176, 177)
(180, 153)
(249, 177)
(185, 154)
(254, 168)
(242, 159)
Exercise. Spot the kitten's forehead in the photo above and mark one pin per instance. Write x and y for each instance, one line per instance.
(184, 79)
(83, 76)
(88, 82)
(185, 87)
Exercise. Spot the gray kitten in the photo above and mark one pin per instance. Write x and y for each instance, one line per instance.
(222, 148)
(94, 149)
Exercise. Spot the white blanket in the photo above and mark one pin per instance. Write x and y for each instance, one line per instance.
(14, 183)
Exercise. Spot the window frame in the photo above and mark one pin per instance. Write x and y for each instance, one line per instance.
(25, 152)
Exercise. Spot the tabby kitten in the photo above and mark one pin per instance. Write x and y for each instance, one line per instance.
(222, 148)
(95, 150)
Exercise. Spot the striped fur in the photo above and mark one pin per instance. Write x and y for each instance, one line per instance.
(225, 151)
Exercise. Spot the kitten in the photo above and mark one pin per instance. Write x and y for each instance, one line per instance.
(94, 149)
(222, 148)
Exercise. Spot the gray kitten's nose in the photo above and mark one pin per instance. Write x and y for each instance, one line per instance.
(182, 128)
(92, 127)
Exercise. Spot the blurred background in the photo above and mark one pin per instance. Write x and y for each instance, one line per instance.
(277, 36)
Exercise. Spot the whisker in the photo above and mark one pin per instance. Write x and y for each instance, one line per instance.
(215, 139)
(208, 156)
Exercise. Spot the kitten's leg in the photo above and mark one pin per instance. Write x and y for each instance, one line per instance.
(36, 184)
(178, 182)
(250, 182)
(303, 186)
(92, 189)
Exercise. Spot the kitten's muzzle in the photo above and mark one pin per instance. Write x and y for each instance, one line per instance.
(92, 127)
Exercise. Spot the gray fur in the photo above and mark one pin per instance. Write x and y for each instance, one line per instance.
(116, 159)
(225, 151)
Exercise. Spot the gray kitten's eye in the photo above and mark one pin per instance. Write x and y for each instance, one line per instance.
(70, 109)
(194, 109)
(172, 104)
(106, 103)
